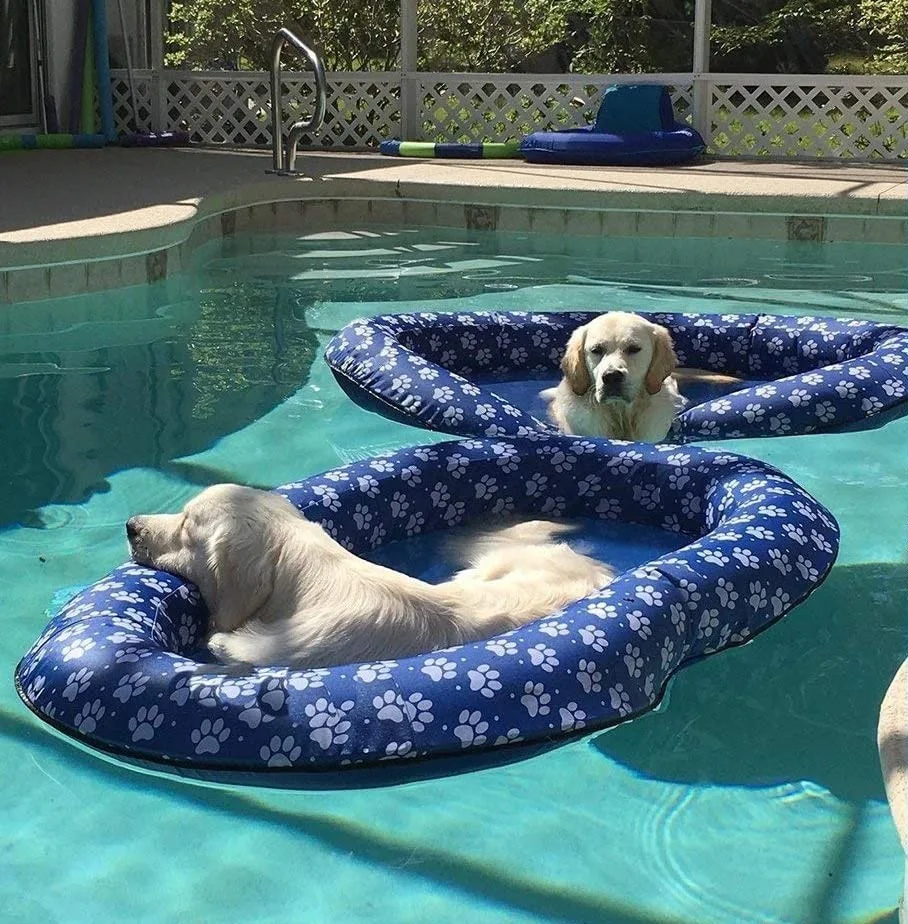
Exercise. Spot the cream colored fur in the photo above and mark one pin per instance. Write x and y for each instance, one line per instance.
(280, 590)
(620, 380)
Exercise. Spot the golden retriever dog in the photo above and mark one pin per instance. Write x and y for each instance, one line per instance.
(281, 591)
(620, 380)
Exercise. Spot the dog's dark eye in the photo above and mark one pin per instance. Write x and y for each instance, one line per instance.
(596, 350)
(632, 348)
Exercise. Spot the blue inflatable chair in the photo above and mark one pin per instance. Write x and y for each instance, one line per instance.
(635, 126)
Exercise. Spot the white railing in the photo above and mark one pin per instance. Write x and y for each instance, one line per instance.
(746, 115)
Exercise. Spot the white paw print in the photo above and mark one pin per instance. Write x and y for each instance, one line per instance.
(648, 594)
(439, 669)
(757, 598)
(396, 749)
(620, 699)
(807, 569)
(572, 717)
(726, 593)
(746, 557)
(389, 706)
(602, 610)
(544, 657)
(130, 654)
(89, 715)
(145, 722)
(511, 735)
(639, 624)
(485, 679)
(594, 637)
(130, 685)
(156, 584)
(77, 682)
(589, 678)
(418, 710)
(667, 652)
(209, 736)
(280, 752)
(368, 673)
(472, 729)
(554, 628)
(535, 700)
(501, 647)
(633, 660)
(126, 596)
(779, 602)
(328, 723)
(304, 680)
(77, 649)
(709, 622)
(275, 694)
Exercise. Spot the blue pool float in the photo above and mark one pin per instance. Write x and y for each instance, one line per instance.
(635, 126)
(121, 667)
(479, 374)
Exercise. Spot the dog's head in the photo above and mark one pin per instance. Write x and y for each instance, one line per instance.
(618, 355)
(222, 541)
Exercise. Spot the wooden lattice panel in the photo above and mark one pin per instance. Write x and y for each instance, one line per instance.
(852, 118)
(496, 107)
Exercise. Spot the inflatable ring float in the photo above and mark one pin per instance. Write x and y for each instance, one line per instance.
(454, 372)
(635, 125)
(122, 668)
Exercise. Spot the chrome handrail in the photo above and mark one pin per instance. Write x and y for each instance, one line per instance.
(285, 160)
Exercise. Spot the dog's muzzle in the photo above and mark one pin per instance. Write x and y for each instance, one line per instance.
(137, 548)
(610, 386)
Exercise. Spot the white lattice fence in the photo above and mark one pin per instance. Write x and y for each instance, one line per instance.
(859, 118)
(496, 107)
(235, 107)
(856, 118)
(122, 100)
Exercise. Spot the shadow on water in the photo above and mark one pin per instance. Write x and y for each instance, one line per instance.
(90, 386)
(398, 855)
(801, 702)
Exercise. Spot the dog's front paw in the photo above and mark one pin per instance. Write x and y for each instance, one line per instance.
(220, 644)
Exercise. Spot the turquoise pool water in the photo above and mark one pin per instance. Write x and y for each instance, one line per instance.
(752, 794)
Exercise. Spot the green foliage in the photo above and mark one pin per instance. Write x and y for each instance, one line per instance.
(591, 36)
(236, 34)
(887, 22)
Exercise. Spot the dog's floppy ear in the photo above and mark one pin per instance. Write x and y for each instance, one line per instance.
(242, 568)
(573, 363)
(664, 361)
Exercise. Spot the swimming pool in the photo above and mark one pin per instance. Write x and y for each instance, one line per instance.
(762, 760)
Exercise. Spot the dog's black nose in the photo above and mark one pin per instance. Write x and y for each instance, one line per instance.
(613, 378)
(132, 528)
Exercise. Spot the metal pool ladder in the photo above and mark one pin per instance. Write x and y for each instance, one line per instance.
(284, 159)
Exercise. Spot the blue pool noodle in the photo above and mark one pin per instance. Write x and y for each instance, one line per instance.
(102, 65)
(77, 63)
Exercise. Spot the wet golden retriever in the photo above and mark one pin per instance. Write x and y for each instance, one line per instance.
(281, 591)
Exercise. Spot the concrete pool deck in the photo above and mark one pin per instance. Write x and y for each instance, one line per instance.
(84, 220)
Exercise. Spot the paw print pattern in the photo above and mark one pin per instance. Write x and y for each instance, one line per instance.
(145, 723)
(471, 729)
(209, 736)
(439, 669)
(89, 715)
(280, 752)
(328, 723)
(124, 668)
